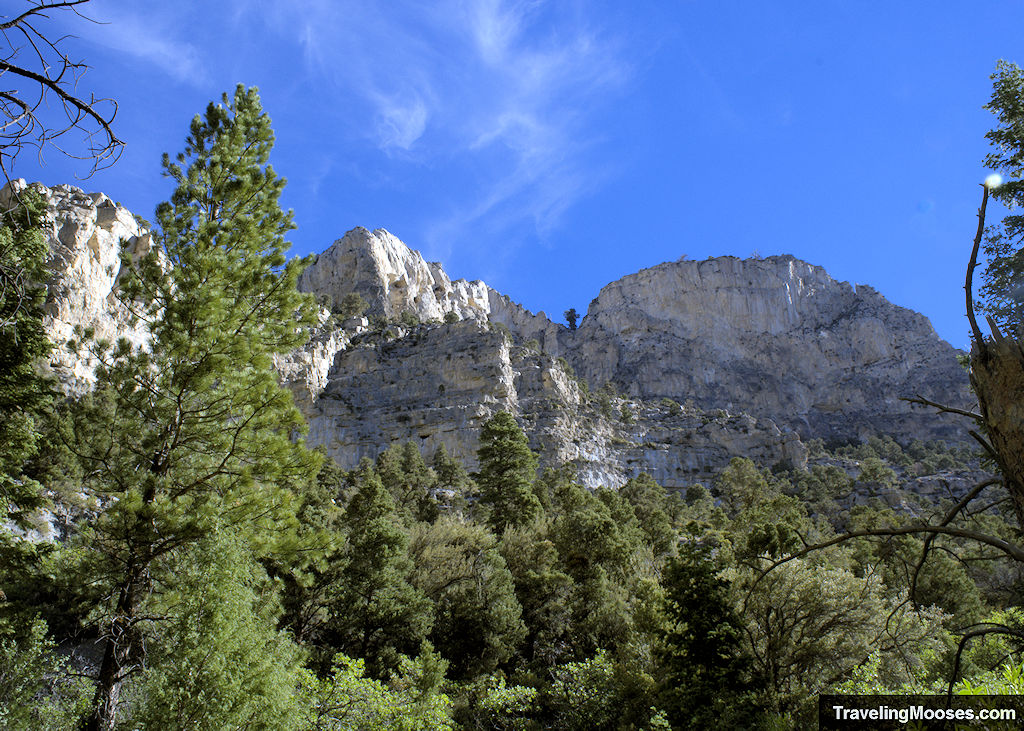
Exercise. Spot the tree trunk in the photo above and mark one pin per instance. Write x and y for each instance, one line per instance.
(997, 374)
(116, 658)
(121, 650)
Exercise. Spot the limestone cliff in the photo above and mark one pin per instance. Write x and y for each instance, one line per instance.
(700, 361)
(436, 384)
(85, 233)
(774, 337)
(394, 279)
(777, 338)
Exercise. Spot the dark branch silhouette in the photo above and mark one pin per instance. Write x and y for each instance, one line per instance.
(40, 104)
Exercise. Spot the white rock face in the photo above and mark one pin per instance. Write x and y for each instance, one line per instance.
(777, 338)
(392, 278)
(761, 353)
(305, 370)
(85, 233)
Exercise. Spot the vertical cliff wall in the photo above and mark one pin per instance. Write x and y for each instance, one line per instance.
(698, 361)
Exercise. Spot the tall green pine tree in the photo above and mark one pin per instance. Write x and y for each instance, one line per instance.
(507, 471)
(376, 614)
(194, 432)
(24, 394)
(706, 677)
(1003, 278)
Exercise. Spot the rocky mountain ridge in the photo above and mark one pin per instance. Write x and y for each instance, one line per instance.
(674, 370)
(774, 337)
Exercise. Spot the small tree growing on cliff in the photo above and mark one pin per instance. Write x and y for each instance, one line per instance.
(352, 305)
(571, 316)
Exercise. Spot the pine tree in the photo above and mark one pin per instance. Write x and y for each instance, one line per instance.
(1003, 278)
(477, 619)
(651, 505)
(543, 590)
(219, 661)
(507, 471)
(453, 482)
(376, 614)
(24, 398)
(194, 432)
(406, 476)
(706, 676)
(571, 316)
(23, 393)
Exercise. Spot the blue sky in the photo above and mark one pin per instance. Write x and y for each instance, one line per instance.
(552, 147)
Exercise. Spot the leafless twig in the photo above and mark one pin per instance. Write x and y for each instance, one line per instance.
(39, 98)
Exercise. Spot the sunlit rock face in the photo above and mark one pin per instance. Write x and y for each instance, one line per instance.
(85, 233)
(711, 359)
(392, 278)
(776, 338)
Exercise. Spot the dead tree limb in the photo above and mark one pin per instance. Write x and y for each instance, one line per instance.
(36, 70)
(972, 263)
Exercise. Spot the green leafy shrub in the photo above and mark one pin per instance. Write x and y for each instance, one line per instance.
(673, 408)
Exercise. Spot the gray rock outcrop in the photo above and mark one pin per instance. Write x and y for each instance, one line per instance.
(776, 338)
(436, 384)
(698, 362)
(392, 278)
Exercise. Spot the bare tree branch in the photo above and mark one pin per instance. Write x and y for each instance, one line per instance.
(986, 628)
(949, 517)
(921, 400)
(989, 449)
(39, 10)
(969, 284)
(35, 69)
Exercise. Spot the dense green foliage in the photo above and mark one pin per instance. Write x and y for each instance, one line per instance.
(708, 675)
(23, 393)
(1003, 278)
(507, 471)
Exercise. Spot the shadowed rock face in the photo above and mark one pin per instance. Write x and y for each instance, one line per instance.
(759, 353)
(438, 384)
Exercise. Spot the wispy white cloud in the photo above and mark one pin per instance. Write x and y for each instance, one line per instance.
(511, 84)
(401, 119)
(150, 38)
(494, 26)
